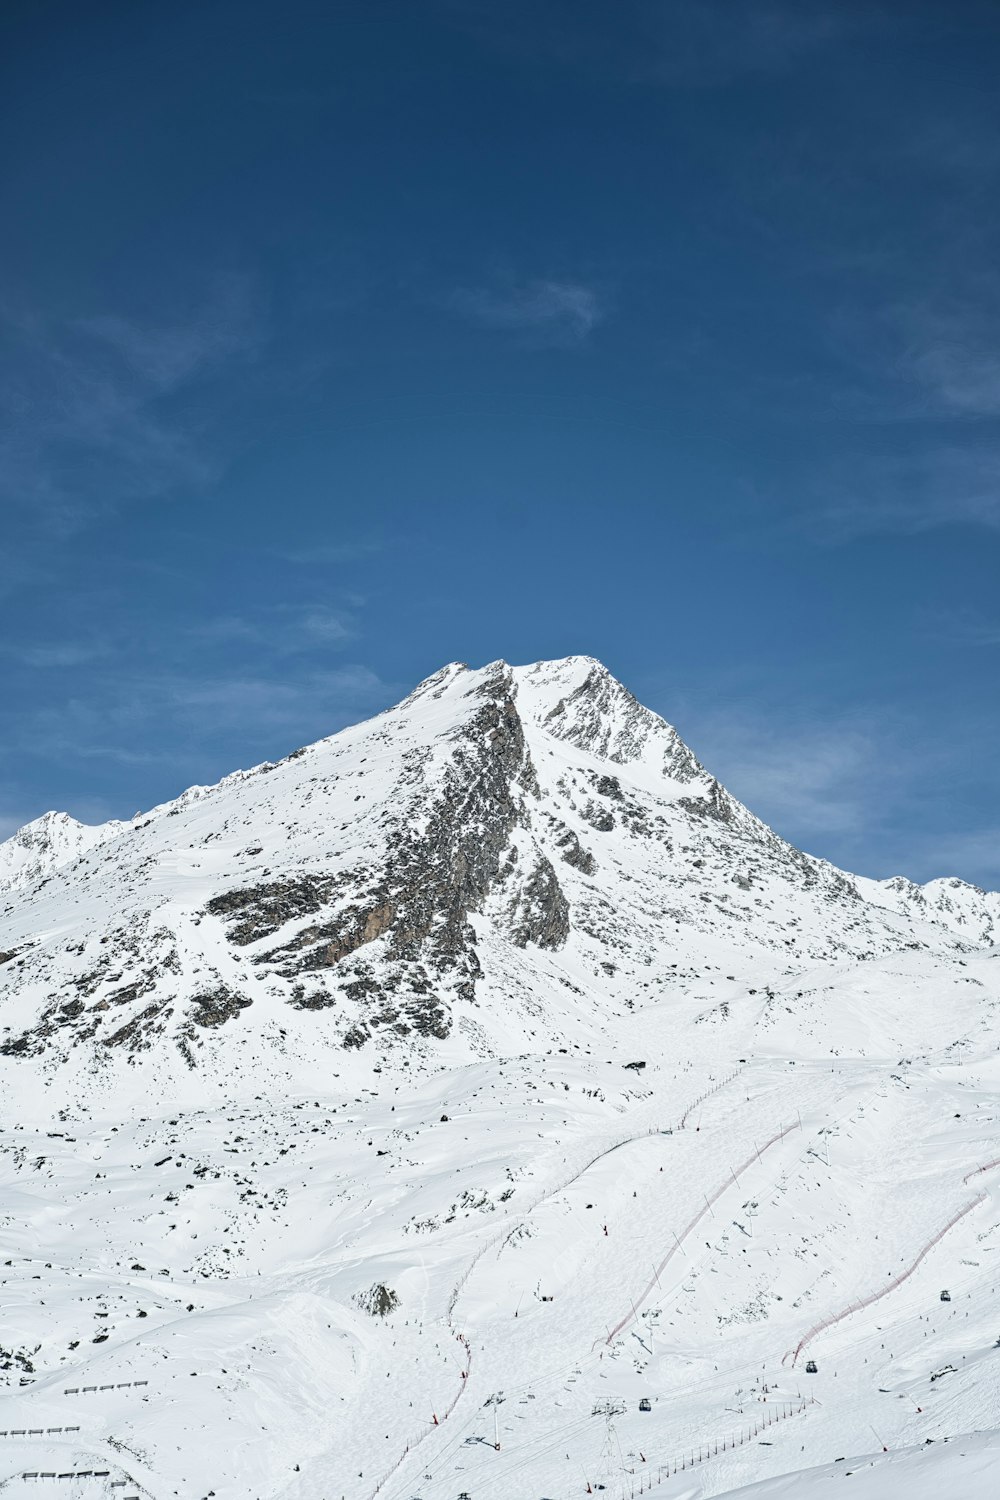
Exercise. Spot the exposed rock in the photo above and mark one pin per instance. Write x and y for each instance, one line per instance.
(540, 914)
(330, 942)
(317, 1000)
(716, 803)
(598, 817)
(574, 853)
(608, 786)
(217, 1006)
(379, 1300)
(136, 1034)
(263, 909)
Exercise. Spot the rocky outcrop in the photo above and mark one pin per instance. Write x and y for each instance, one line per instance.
(573, 852)
(217, 1006)
(540, 912)
(258, 911)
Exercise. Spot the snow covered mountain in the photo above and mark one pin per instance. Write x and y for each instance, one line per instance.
(340, 1072)
(506, 844)
(42, 846)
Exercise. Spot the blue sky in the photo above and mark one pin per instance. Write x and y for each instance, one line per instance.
(340, 341)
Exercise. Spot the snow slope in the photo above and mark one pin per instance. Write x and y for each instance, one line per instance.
(319, 1135)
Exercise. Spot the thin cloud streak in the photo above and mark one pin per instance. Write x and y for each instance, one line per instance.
(282, 629)
(807, 780)
(90, 421)
(55, 654)
(325, 553)
(952, 353)
(562, 312)
(856, 787)
(711, 43)
(930, 487)
(964, 629)
(702, 44)
(166, 356)
(171, 718)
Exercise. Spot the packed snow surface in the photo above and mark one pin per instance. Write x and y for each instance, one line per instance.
(484, 1102)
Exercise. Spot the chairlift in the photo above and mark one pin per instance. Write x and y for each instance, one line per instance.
(946, 1295)
(645, 1404)
(812, 1368)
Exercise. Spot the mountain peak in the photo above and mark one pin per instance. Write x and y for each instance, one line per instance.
(409, 882)
(45, 844)
(577, 699)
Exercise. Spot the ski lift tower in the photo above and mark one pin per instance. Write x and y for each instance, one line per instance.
(496, 1400)
(611, 1462)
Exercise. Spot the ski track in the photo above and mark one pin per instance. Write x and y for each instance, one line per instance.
(708, 1448)
(897, 1281)
(435, 1426)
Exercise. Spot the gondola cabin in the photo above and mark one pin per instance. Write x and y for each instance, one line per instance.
(645, 1404)
(811, 1367)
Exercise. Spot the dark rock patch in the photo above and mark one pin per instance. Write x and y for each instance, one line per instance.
(573, 852)
(540, 914)
(215, 1007)
(137, 1033)
(257, 911)
(598, 817)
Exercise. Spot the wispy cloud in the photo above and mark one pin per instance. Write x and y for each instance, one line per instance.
(962, 628)
(929, 486)
(808, 779)
(283, 628)
(952, 352)
(964, 378)
(552, 312)
(166, 355)
(713, 42)
(862, 787)
(688, 43)
(197, 725)
(55, 654)
(261, 700)
(272, 632)
(95, 415)
(323, 554)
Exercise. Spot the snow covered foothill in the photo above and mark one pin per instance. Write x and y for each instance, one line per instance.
(323, 1167)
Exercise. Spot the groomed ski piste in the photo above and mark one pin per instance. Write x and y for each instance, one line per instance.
(501, 1262)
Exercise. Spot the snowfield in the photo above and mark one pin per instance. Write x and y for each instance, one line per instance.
(483, 1102)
